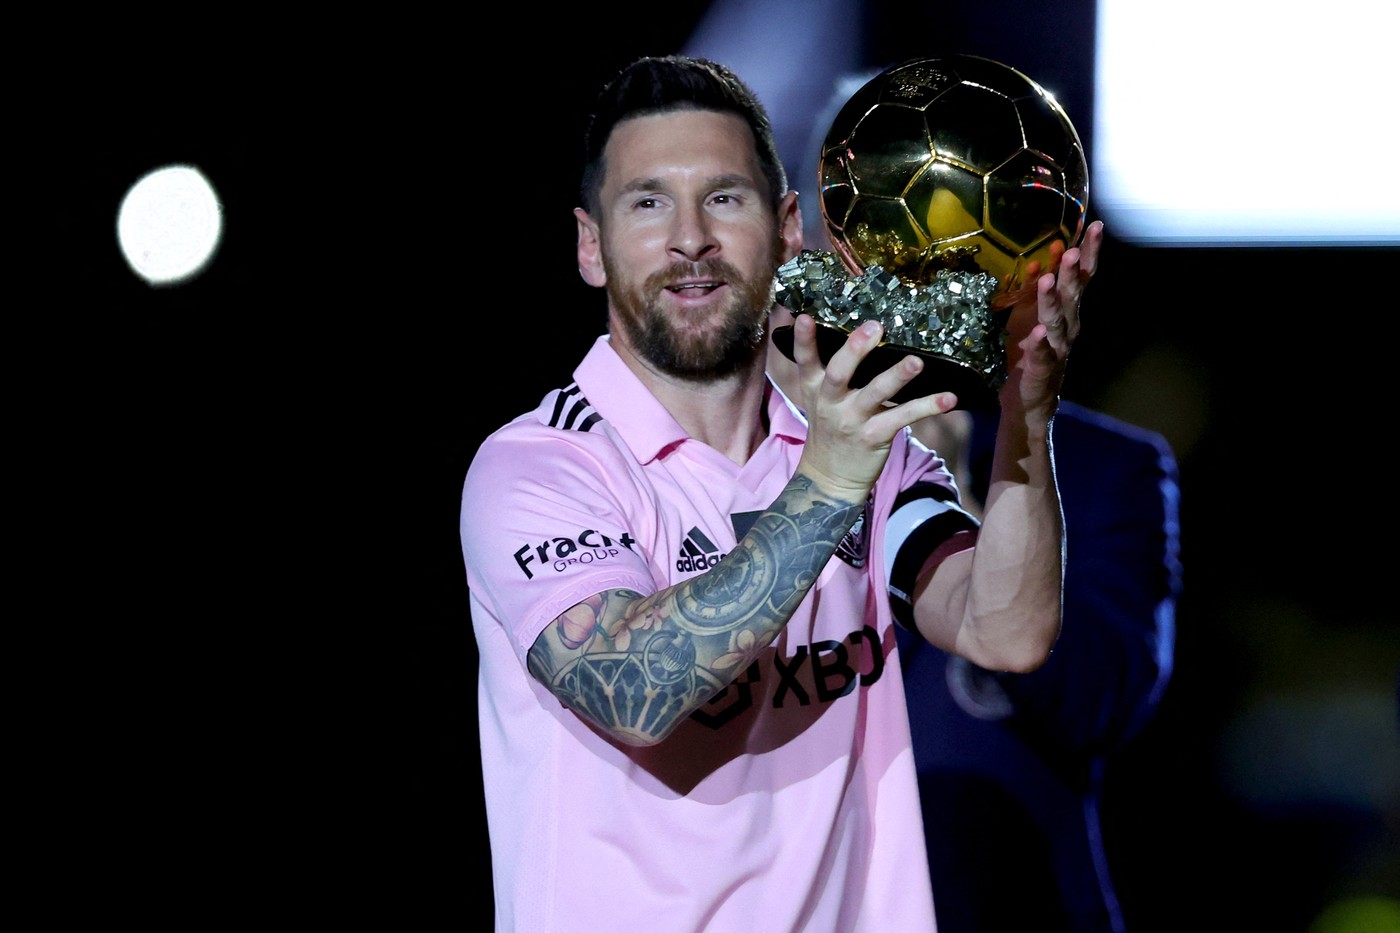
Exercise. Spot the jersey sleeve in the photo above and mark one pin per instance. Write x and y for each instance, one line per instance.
(926, 523)
(545, 523)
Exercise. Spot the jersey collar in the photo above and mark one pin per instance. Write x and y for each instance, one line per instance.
(643, 422)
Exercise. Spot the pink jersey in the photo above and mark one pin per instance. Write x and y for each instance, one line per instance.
(790, 802)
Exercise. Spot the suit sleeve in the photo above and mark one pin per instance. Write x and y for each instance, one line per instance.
(1113, 659)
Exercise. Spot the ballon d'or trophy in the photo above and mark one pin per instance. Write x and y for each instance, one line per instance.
(941, 179)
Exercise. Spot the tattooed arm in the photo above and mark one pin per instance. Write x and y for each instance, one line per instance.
(637, 666)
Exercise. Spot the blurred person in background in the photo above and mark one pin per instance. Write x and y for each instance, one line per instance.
(1011, 766)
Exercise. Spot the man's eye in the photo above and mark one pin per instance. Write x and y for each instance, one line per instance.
(646, 203)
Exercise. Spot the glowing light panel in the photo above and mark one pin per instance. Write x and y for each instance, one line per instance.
(1239, 122)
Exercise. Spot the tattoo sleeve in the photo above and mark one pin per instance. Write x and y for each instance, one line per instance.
(637, 666)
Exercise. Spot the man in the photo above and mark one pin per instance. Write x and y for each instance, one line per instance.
(691, 717)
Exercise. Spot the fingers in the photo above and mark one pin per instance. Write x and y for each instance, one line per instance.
(1059, 294)
(833, 379)
(842, 365)
(834, 376)
(804, 341)
(1083, 260)
(881, 391)
(1089, 248)
(1057, 314)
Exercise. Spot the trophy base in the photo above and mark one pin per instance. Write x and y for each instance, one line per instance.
(940, 373)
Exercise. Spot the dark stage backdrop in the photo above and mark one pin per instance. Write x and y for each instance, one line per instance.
(254, 692)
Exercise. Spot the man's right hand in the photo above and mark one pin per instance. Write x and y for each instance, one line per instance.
(850, 431)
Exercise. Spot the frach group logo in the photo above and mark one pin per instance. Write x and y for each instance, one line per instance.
(697, 552)
(587, 547)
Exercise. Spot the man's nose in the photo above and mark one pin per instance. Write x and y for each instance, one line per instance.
(692, 234)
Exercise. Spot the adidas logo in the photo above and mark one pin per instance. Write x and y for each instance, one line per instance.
(697, 552)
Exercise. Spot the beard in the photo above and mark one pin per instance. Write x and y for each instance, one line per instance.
(700, 354)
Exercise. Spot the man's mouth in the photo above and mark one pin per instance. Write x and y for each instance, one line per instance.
(693, 289)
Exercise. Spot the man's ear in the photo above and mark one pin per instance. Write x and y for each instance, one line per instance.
(590, 250)
(790, 225)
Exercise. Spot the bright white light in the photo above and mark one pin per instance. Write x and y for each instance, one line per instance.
(169, 224)
(1245, 122)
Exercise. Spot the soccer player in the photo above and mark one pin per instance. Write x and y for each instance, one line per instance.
(691, 710)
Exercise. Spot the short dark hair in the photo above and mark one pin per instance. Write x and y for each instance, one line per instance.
(665, 84)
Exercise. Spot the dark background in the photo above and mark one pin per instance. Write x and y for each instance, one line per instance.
(252, 663)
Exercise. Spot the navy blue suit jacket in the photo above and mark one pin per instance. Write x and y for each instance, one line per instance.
(1010, 765)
